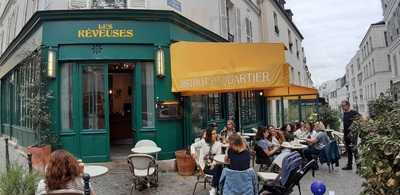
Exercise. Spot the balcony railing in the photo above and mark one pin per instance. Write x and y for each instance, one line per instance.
(104, 4)
(231, 37)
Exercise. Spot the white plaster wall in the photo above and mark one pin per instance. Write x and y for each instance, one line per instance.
(205, 13)
(269, 35)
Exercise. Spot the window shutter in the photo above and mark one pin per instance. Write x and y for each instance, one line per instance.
(223, 18)
(136, 3)
(78, 4)
(238, 25)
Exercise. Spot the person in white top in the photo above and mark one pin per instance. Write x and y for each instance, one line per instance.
(301, 132)
(207, 149)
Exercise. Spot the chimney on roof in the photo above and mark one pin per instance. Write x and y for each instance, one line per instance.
(281, 3)
(289, 13)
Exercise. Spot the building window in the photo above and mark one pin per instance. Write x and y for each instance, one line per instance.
(215, 111)
(352, 69)
(297, 49)
(93, 97)
(148, 118)
(396, 71)
(102, 4)
(249, 30)
(370, 44)
(238, 25)
(389, 63)
(299, 76)
(276, 25)
(290, 41)
(66, 96)
(386, 40)
(373, 66)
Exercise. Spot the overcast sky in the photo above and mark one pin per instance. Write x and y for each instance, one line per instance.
(332, 30)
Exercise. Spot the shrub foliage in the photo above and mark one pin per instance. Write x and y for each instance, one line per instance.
(379, 148)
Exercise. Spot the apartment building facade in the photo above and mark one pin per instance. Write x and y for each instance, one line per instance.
(391, 12)
(122, 40)
(369, 72)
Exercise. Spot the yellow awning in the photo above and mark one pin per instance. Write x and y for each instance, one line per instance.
(291, 90)
(201, 68)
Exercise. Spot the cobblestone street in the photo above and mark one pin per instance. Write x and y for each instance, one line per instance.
(117, 182)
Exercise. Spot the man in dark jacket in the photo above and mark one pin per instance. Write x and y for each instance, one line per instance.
(350, 137)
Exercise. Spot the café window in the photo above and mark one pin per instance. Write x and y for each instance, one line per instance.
(93, 97)
(215, 111)
(249, 111)
(148, 113)
(66, 96)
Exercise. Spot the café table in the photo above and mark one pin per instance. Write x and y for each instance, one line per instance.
(147, 150)
(220, 159)
(95, 170)
(292, 146)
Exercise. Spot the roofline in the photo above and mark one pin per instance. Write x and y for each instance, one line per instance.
(287, 18)
(381, 23)
(110, 14)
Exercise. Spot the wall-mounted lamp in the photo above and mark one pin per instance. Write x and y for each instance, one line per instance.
(261, 93)
(51, 63)
(160, 63)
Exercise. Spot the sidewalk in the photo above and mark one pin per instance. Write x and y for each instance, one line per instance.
(118, 181)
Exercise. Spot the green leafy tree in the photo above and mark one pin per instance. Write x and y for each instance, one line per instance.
(379, 148)
(327, 116)
(37, 103)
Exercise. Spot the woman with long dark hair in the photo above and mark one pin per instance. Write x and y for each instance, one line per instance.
(264, 141)
(207, 150)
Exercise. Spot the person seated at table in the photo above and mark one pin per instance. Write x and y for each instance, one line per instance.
(238, 156)
(301, 132)
(311, 133)
(228, 130)
(317, 143)
(288, 132)
(264, 141)
(277, 137)
(208, 149)
(62, 173)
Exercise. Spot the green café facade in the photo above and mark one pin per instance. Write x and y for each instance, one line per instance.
(109, 76)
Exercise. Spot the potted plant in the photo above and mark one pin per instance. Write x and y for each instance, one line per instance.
(17, 180)
(37, 105)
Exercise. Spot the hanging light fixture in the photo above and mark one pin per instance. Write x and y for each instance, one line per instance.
(160, 62)
(51, 63)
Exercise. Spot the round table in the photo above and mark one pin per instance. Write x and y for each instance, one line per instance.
(220, 159)
(95, 170)
(147, 150)
(249, 134)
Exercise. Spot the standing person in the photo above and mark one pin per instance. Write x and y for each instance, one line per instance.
(62, 172)
(208, 149)
(350, 137)
(228, 130)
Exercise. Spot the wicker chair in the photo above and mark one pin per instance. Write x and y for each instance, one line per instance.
(144, 170)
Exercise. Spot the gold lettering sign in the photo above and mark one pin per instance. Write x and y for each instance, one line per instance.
(105, 31)
(226, 81)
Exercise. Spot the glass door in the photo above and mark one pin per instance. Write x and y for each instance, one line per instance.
(94, 135)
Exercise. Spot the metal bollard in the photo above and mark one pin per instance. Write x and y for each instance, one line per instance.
(7, 155)
(30, 162)
(86, 187)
